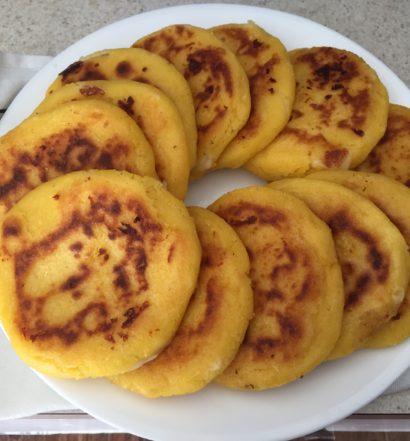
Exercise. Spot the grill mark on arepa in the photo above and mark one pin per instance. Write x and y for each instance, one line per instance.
(237, 216)
(69, 334)
(396, 126)
(131, 315)
(11, 227)
(280, 347)
(74, 281)
(73, 68)
(211, 61)
(333, 157)
(124, 69)
(63, 152)
(245, 44)
(81, 71)
(76, 247)
(329, 66)
(219, 113)
(258, 82)
(333, 69)
(127, 105)
(278, 293)
(107, 212)
(88, 90)
(203, 60)
(379, 265)
(212, 301)
(360, 104)
(178, 350)
(17, 180)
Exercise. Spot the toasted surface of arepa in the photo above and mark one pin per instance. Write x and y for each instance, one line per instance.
(218, 83)
(372, 253)
(339, 115)
(297, 285)
(152, 110)
(393, 198)
(136, 65)
(76, 136)
(272, 86)
(214, 324)
(99, 282)
(391, 156)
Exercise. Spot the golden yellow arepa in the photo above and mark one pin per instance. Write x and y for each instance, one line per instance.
(76, 136)
(218, 83)
(214, 324)
(100, 279)
(391, 156)
(372, 253)
(152, 110)
(136, 65)
(297, 286)
(339, 115)
(272, 86)
(393, 198)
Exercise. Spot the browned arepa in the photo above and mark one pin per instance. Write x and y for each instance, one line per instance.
(117, 278)
(215, 321)
(297, 286)
(393, 198)
(99, 281)
(76, 136)
(272, 87)
(218, 83)
(391, 156)
(155, 114)
(141, 66)
(372, 253)
(339, 115)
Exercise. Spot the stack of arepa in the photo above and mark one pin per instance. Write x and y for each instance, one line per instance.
(104, 272)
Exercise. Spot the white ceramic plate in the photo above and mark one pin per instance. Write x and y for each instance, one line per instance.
(332, 391)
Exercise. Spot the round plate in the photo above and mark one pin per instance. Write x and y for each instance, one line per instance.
(329, 393)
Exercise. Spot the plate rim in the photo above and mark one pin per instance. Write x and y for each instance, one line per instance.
(356, 400)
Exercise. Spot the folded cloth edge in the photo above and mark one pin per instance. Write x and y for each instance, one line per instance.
(15, 71)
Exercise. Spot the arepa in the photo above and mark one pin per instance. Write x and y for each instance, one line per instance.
(272, 87)
(393, 198)
(391, 156)
(76, 136)
(99, 282)
(152, 110)
(218, 83)
(136, 65)
(339, 115)
(297, 286)
(214, 324)
(372, 253)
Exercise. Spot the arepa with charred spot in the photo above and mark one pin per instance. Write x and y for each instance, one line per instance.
(215, 321)
(99, 282)
(297, 287)
(78, 135)
(339, 115)
(393, 198)
(372, 253)
(272, 87)
(218, 82)
(156, 115)
(391, 156)
(141, 66)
